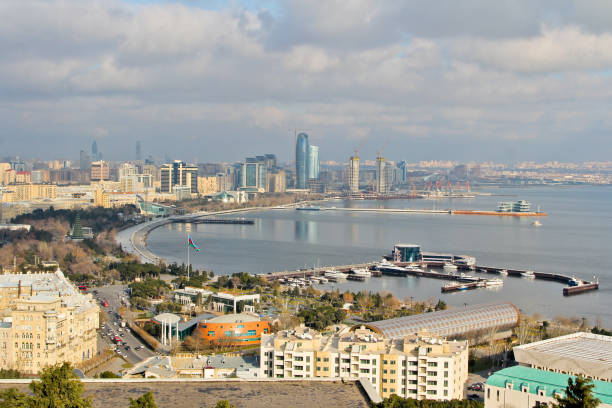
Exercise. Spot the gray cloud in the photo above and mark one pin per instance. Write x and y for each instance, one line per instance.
(417, 80)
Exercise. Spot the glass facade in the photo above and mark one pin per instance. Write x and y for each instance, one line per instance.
(313, 162)
(301, 161)
(407, 253)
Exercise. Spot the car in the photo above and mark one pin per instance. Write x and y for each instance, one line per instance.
(474, 397)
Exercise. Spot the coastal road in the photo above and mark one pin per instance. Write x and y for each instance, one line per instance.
(114, 295)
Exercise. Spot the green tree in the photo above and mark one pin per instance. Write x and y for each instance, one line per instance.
(9, 373)
(12, 398)
(109, 374)
(144, 401)
(223, 404)
(58, 387)
(578, 394)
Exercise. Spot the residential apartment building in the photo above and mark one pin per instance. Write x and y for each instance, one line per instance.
(45, 320)
(419, 367)
(27, 192)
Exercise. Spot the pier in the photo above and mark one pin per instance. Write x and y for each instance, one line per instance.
(463, 282)
(199, 220)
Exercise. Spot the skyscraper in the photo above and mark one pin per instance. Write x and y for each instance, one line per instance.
(301, 161)
(84, 161)
(354, 174)
(313, 162)
(178, 174)
(382, 186)
(94, 151)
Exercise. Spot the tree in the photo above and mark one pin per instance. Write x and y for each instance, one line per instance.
(578, 394)
(223, 404)
(144, 401)
(109, 374)
(58, 387)
(12, 398)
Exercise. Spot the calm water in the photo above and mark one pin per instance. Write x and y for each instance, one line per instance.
(576, 238)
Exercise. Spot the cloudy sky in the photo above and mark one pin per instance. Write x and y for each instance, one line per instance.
(503, 80)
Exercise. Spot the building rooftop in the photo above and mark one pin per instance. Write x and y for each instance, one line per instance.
(549, 382)
(578, 353)
(234, 318)
(167, 318)
(452, 322)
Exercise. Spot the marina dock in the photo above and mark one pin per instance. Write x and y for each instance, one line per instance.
(199, 220)
(463, 282)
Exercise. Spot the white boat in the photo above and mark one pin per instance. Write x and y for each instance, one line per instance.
(391, 269)
(494, 282)
(449, 267)
(536, 223)
(414, 268)
(468, 278)
(322, 279)
(503, 272)
(335, 275)
(362, 272)
(528, 274)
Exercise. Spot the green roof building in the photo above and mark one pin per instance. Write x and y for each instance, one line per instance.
(525, 387)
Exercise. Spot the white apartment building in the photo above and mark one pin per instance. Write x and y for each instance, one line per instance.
(420, 367)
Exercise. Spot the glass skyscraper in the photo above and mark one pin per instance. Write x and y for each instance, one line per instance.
(301, 161)
(313, 162)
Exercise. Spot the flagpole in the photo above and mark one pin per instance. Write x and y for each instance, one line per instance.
(187, 257)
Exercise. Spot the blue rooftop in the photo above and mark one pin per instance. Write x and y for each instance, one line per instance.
(548, 381)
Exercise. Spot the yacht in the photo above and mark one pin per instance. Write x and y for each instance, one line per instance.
(467, 278)
(536, 223)
(390, 269)
(362, 272)
(335, 275)
(494, 282)
(322, 279)
(414, 268)
(503, 272)
(449, 267)
(528, 274)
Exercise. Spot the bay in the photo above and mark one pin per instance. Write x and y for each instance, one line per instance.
(575, 239)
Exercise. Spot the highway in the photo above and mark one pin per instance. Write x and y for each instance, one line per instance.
(114, 294)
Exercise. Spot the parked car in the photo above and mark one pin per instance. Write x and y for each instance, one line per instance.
(474, 397)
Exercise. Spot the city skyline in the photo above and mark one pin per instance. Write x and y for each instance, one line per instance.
(512, 82)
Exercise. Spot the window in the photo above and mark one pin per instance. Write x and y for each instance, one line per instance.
(318, 358)
(211, 334)
(252, 333)
(392, 371)
(488, 393)
(325, 368)
(385, 371)
(432, 364)
(326, 359)
(446, 374)
(446, 364)
(446, 393)
(446, 383)
(497, 395)
(431, 392)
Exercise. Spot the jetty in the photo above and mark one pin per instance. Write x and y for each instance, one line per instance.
(200, 220)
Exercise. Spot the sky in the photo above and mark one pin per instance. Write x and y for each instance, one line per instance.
(205, 81)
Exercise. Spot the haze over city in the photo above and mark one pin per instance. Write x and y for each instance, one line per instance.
(214, 81)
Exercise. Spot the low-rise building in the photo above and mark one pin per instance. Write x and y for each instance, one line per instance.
(419, 367)
(585, 354)
(243, 329)
(45, 320)
(525, 387)
(229, 303)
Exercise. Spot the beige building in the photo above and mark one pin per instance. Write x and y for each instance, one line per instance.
(99, 171)
(207, 185)
(27, 192)
(413, 367)
(45, 320)
(277, 182)
(101, 199)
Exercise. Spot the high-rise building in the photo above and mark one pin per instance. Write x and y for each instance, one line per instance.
(100, 171)
(278, 181)
(94, 151)
(84, 160)
(313, 162)
(382, 187)
(301, 161)
(178, 174)
(254, 174)
(353, 176)
(418, 367)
